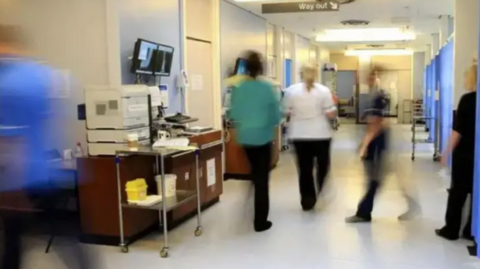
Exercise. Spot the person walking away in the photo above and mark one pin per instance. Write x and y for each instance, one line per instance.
(310, 108)
(24, 112)
(373, 151)
(255, 111)
(462, 147)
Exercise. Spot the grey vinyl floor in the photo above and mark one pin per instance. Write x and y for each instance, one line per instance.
(319, 239)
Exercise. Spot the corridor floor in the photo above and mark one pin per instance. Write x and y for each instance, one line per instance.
(320, 239)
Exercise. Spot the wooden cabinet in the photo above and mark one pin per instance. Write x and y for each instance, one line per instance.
(237, 166)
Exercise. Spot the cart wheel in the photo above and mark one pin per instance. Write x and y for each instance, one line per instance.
(164, 253)
(198, 231)
(124, 249)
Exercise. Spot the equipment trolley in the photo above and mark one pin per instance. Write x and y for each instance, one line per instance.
(416, 122)
(167, 203)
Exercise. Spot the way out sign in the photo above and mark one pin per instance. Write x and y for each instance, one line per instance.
(331, 5)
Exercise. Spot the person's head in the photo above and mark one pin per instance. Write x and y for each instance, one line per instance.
(11, 40)
(254, 65)
(309, 73)
(471, 77)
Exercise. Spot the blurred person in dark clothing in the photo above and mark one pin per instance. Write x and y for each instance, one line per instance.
(24, 113)
(255, 110)
(373, 151)
(462, 147)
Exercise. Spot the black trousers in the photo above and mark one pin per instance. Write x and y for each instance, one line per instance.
(373, 170)
(309, 151)
(453, 217)
(14, 224)
(260, 158)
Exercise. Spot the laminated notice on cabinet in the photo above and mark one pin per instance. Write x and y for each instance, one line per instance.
(211, 179)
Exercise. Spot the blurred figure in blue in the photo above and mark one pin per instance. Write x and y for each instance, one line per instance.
(24, 114)
(373, 151)
(255, 111)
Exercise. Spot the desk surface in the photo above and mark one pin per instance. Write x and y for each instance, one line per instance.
(64, 165)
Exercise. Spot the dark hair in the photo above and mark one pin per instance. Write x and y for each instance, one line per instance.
(254, 64)
(10, 34)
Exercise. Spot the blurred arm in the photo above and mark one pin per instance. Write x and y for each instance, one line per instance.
(329, 106)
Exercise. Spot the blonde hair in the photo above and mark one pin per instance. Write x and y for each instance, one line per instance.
(471, 76)
(309, 73)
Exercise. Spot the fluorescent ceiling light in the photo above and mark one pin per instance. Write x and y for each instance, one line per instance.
(365, 35)
(384, 52)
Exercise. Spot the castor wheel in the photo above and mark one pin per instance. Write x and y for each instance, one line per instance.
(198, 231)
(164, 253)
(124, 249)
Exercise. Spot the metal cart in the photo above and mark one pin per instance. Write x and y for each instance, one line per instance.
(166, 204)
(419, 121)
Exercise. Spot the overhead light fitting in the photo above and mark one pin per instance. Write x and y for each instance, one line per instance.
(380, 52)
(365, 35)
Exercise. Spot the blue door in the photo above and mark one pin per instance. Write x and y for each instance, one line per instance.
(288, 73)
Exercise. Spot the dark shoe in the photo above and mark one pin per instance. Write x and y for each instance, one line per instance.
(468, 236)
(263, 227)
(446, 235)
(308, 204)
(357, 219)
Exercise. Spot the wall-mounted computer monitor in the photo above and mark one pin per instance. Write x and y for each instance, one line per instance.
(143, 61)
(163, 60)
(241, 66)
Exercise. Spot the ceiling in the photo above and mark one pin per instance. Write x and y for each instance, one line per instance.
(422, 16)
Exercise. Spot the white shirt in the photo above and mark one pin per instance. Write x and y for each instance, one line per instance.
(308, 111)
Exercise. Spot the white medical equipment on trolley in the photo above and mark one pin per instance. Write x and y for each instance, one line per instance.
(113, 113)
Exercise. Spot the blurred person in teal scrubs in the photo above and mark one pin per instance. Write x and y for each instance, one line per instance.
(24, 114)
(255, 111)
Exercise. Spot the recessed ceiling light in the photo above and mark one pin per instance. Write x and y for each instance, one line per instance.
(378, 52)
(365, 35)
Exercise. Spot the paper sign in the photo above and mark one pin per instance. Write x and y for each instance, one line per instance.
(211, 179)
(197, 82)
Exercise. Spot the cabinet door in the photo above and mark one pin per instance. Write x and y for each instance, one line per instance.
(212, 173)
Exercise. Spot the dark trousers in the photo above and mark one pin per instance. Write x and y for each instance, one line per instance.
(14, 224)
(259, 158)
(307, 152)
(453, 218)
(373, 170)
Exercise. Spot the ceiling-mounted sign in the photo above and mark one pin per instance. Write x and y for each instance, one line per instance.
(330, 5)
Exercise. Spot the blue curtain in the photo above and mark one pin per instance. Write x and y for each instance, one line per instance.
(446, 93)
(476, 186)
(428, 93)
(425, 91)
(432, 107)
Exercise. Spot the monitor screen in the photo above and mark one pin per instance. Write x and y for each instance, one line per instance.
(163, 60)
(241, 67)
(143, 57)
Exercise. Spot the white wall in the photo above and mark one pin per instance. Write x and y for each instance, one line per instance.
(302, 55)
(465, 43)
(418, 67)
(69, 35)
(240, 31)
(157, 21)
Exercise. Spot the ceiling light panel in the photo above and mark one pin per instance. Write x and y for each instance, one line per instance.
(380, 52)
(365, 35)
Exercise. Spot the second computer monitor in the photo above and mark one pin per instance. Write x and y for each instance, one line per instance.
(163, 60)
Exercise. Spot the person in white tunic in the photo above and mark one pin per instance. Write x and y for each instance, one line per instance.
(310, 107)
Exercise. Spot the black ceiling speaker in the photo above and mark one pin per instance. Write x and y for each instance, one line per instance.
(342, 2)
(355, 22)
